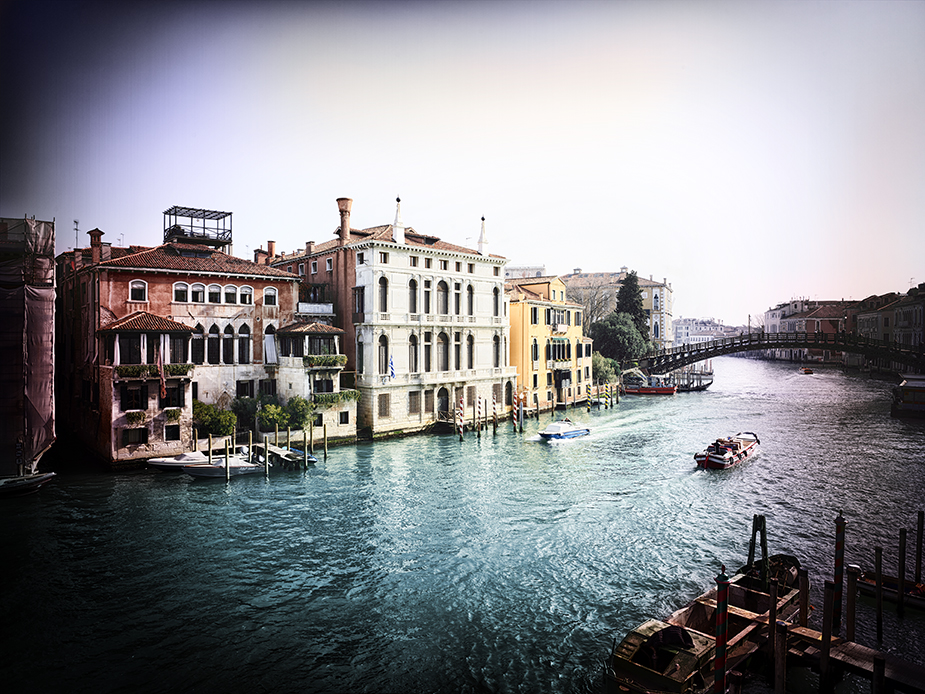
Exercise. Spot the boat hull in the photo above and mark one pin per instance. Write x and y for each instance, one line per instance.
(914, 594)
(24, 484)
(721, 457)
(566, 435)
(650, 390)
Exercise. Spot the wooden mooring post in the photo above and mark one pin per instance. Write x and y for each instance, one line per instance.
(325, 441)
(780, 656)
(227, 463)
(878, 571)
(839, 571)
(210, 449)
(825, 674)
(266, 455)
(250, 446)
(804, 596)
(851, 602)
(901, 588)
(722, 612)
(918, 547)
(305, 449)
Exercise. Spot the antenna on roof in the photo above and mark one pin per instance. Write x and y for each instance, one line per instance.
(76, 233)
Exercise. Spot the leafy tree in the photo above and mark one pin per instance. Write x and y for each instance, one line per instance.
(271, 416)
(212, 420)
(629, 301)
(245, 409)
(299, 410)
(603, 369)
(616, 337)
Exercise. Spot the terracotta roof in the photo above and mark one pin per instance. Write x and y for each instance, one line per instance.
(533, 280)
(142, 321)
(302, 328)
(382, 233)
(193, 258)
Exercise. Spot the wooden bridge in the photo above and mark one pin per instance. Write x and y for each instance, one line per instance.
(663, 361)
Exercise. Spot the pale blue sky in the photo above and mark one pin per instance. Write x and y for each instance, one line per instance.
(749, 152)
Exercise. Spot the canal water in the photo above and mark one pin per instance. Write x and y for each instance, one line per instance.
(499, 564)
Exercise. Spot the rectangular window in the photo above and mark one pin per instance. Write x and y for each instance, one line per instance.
(344, 417)
(301, 268)
(444, 264)
(496, 392)
(384, 404)
(549, 378)
(383, 257)
(428, 401)
(458, 266)
(174, 397)
(134, 437)
(231, 295)
(245, 389)
(414, 402)
(134, 397)
(413, 261)
(427, 263)
(471, 268)
(361, 258)
(536, 381)
(180, 293)
(470, 395)
(318, 421)
(268, 386)
(497, 271)
(329, 264)
(534, 315)
(171, 432)
(215, 294)
(198, 294)
(314, 267)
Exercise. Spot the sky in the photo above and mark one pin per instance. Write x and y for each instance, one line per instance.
(747, 152)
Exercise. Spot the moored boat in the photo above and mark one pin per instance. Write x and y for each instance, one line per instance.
(727, 452)
(909, 397)
(236, 466)
(564, 429)
(635, 382)
(176, 463)
(914, 593)
(18, 485)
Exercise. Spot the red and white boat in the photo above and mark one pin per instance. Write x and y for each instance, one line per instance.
(637, 383)
(732, 450)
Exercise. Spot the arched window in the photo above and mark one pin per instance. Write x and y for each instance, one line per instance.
(383, 355)
(181, 292)
(413, 296)
(413, 352)
(228, 345)
(213, 349)
(470, 352)
(198, 294)
(246, 296)
(270, 355)
(655, 301)
(496, 351)
(269, 296)
(244, 345)
(199, 345)
(470, 300)
(383, 295)
(655, 331)
(443, 299)
(215, 294)
(231, 294)
(496, 302)
(138, 290)
(443, 352)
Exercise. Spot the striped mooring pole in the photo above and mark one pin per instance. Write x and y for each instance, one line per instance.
(588, 391)
(839, 570)
(494, 414)
(459, 418)
(478, 416)
(722, 612)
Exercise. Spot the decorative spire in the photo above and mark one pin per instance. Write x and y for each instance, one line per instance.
(482, 239)
(398, 229)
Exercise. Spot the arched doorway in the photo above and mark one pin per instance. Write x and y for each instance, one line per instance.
(443, 402)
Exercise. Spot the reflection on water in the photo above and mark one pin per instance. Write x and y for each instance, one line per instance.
(496, 564)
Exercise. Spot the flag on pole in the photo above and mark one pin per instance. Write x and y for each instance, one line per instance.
(391, 367)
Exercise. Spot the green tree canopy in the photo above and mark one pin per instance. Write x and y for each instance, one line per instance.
(629, 301)
(603, 370)
(616, 337)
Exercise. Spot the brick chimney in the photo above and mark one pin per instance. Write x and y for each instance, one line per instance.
(95, 245)
(260, 256)
(343, 206)
(309, 247)
(271, 249)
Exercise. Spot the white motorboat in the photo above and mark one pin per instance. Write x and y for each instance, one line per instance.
(564, 429)
(177, 462)
(236, 466)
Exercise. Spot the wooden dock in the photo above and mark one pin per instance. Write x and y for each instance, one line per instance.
(806, 646)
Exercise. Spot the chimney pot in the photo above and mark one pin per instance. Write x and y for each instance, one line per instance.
(95, 244)
(271, 249)
(343, 206)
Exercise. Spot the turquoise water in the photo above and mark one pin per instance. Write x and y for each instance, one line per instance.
(499, 564)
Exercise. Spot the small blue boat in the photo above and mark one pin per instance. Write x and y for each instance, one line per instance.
(564, 429)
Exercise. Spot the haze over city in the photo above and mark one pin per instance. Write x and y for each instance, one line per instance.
(747, 152)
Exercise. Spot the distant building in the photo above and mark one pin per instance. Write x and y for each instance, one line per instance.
(548, 349)
(425, 321)
(689, 331)
(511, 272)
(597, 293)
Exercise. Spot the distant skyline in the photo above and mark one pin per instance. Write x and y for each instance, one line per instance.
(749, 152)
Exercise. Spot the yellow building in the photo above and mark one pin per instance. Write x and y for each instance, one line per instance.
(552, 356)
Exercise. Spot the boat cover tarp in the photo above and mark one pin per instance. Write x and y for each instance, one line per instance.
(27, 317)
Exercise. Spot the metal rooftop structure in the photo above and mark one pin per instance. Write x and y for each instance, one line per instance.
(193, 225)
